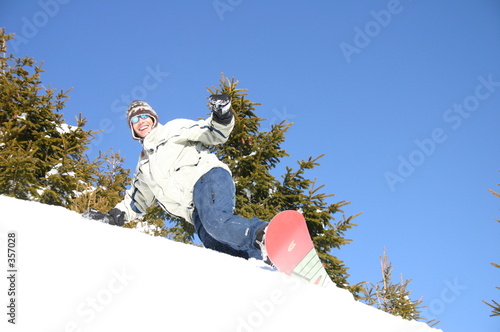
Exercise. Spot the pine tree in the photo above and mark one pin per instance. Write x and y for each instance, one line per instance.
(41, 157)
(494, 304)
(249, 154)
(299, 193)
(106, 187)
(252, 154)
(158, 222)
(390, 297)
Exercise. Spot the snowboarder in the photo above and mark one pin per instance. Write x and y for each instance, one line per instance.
(177, 170)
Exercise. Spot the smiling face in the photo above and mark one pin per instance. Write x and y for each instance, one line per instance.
(142, 119)
(143, 127)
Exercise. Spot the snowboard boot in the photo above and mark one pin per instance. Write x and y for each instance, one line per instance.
(260, 243)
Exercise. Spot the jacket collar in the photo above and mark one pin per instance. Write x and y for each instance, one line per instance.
(152, 138)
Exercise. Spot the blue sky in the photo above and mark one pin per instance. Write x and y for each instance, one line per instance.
(402, 97)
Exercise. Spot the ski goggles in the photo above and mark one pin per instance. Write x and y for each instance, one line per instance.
(136, 118)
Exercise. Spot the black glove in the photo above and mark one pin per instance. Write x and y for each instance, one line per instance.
(93, 214)
(113, 217)
(117, 217)
(221, 108)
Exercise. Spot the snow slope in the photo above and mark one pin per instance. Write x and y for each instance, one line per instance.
(78, 275)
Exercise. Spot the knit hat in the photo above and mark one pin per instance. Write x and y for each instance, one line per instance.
(138, 107)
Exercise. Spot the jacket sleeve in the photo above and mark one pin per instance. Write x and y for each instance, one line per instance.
(208, 131)
(137, 199)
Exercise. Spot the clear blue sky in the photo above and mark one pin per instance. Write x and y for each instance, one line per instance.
(403, 97)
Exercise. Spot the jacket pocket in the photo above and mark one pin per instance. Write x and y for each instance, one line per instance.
(188, 157)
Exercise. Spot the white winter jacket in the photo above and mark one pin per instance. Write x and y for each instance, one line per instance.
(174, 157)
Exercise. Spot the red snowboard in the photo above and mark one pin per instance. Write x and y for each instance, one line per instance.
(290, 248)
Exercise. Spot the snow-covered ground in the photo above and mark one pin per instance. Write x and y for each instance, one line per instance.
(74, 275)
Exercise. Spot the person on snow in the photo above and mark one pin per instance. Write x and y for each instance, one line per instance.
(177, 170)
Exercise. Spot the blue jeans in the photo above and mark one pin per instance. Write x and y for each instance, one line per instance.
(218, 227)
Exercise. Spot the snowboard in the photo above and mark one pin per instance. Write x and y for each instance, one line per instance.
(291, 250)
